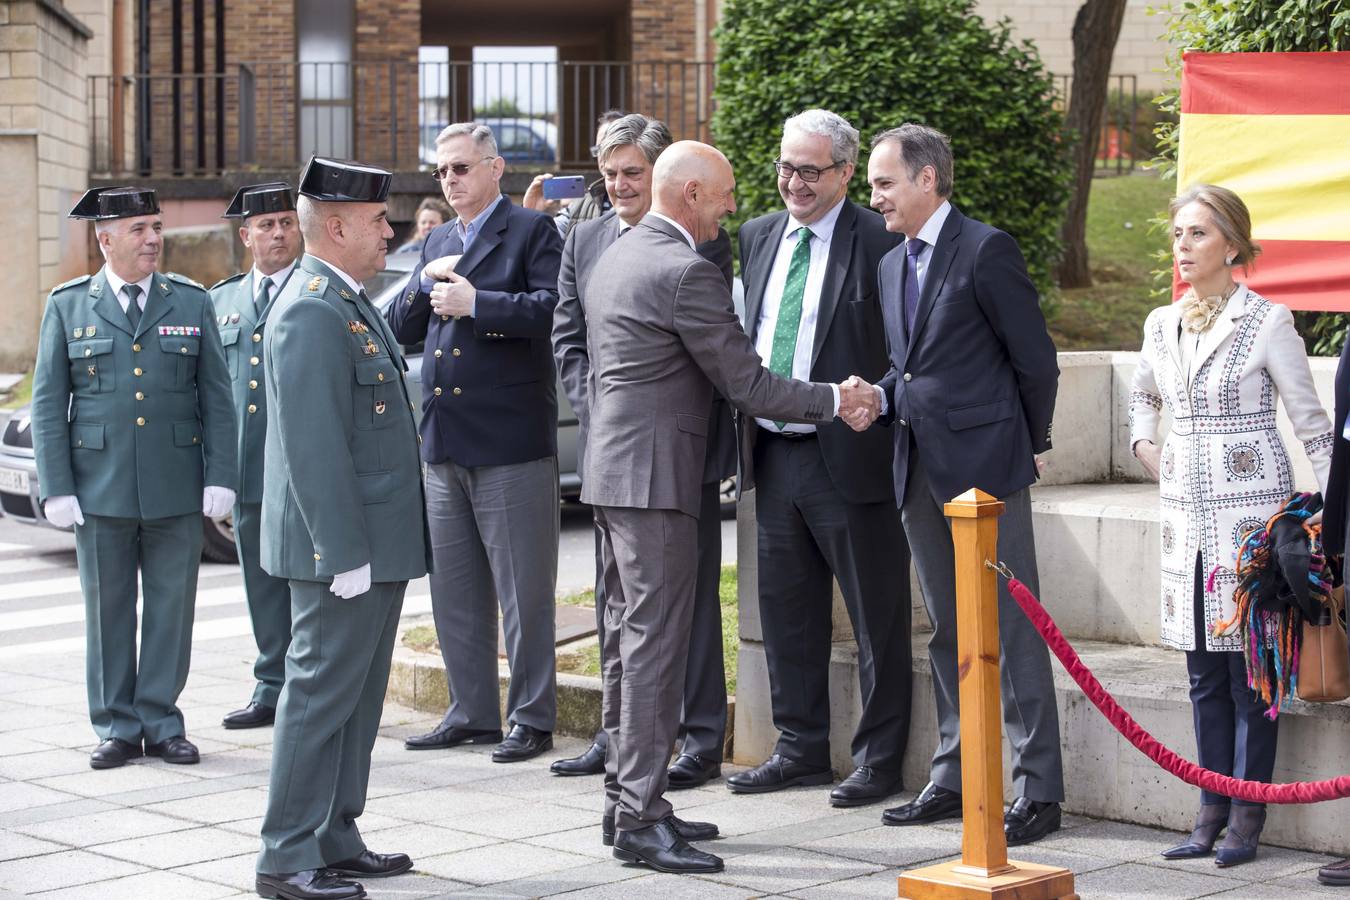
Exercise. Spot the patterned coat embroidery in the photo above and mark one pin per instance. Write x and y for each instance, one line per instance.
(1224, 467)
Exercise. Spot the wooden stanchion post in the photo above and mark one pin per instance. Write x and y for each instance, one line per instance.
(984, 869)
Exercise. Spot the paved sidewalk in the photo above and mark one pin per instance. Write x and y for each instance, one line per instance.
(475, 828)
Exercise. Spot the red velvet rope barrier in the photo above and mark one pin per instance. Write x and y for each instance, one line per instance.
(1187, 771)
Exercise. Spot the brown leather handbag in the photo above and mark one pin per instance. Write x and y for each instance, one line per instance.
(1324, 660)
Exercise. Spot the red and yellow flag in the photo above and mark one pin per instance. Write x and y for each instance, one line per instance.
(1275, 128)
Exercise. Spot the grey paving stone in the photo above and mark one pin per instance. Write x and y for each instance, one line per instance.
(533, 785)
(581, 841)
(181, 848)
(235, 871)
(19, 795)
(44, 764)
(72, 807)
(441, 805)
(561, 882)
(798, 834)
(59, 870)
(421, 841)
(20, 846)
(1271, 863)
(51, 727)
(499, 862)
(145, 886)
(13, 745)
(871, 887)
(104, 827)
(888, 846)
(662, 887)
(224, 806)
(521, 819)
(196, 787)
(1129, 881)
(787, 869)
(136, 775)
(744, 814)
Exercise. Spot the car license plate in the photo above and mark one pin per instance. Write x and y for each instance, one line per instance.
(14, 481)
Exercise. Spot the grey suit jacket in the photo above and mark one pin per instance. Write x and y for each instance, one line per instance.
(662, 334)
(584, 245)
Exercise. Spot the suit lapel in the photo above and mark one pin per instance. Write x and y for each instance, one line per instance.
(105, 303)
(836, 271)
(766, 251)
(1170, 323)
(486, 240)
(157, 305)
(939, 262)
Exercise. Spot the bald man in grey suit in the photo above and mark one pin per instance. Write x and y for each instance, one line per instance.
(662, 335)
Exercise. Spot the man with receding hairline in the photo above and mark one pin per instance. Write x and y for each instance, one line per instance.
(663, 334)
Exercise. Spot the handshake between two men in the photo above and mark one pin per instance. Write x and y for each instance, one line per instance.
(859, 403)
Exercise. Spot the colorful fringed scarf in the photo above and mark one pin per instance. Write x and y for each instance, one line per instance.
(1283, 579)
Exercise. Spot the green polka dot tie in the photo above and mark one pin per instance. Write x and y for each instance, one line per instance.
(790, 309)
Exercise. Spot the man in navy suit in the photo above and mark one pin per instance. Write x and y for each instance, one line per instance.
(482, 299)
(970, 395)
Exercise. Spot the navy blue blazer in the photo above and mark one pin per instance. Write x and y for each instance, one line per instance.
(488, 393)
(1338, 481)
(973, 389)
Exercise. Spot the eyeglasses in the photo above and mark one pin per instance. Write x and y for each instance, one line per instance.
(809, 174)
(460, 169)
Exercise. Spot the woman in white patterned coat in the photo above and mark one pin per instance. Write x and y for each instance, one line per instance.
(1217, 359)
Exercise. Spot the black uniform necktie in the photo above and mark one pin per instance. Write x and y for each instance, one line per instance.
(133, 295)
(263, 296)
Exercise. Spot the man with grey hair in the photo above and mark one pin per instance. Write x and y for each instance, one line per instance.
(627, 155)
(482, 300)
(970, 396)
(823, 496)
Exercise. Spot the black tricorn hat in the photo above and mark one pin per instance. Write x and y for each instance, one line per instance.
(116, 203)
(344, 181)
(256, 199)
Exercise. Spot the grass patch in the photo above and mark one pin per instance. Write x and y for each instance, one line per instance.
(1121, 248)
(422, 638)
(578, 598)
(586, 660)
(20, 395)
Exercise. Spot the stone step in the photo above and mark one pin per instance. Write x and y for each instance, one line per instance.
(1105, 776)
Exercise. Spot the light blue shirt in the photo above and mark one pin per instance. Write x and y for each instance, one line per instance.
(470, 230)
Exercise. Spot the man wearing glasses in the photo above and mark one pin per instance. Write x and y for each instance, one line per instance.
(482, 299)
(824, 502)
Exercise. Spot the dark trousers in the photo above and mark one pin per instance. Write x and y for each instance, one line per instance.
(703, 723)
(809, 536)
(1232, 734)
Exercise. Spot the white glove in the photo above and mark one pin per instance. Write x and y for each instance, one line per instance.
(353, 583)
(216, 501)
(63, 511)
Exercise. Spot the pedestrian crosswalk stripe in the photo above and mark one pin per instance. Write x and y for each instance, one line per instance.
(70, 584)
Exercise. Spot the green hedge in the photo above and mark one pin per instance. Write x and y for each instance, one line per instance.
(885, 62)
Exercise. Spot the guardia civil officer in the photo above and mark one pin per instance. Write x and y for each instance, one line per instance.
(135, 440)
(270, 229)
(341, 484)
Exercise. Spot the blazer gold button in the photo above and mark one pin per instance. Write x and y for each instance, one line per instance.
(317, 557)
(252, 408)
(256, 338)
(80, 442)
(135, 348)
(902, 422)
(438, 354)
(445, 318)
(455, 351)
(140, 396)
(140, 420)
(412, 406)
(379, 376)
(253, 360)
(183, 350)
(456, 392)
(138, 372)
(88, 352)
(253, 384)
(419, 439)
(908, 377)
(196, 440)
(437, 391)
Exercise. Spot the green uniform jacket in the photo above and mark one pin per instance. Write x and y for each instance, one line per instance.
(241, 331)
(132, 425)
(342, 484)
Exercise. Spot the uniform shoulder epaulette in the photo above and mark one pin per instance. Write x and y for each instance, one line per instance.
(235, 277)
(315, 285)
(183, 279)
(71, 283)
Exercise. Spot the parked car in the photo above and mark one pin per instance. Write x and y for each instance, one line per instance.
(519, 139)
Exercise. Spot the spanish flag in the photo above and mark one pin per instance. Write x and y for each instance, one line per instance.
(1275, 128)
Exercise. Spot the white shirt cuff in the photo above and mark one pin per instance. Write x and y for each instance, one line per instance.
(835, 389)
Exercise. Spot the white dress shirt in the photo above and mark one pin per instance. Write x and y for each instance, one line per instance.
(278, 278)
(822, 231)
(117, 284)
(351, 283)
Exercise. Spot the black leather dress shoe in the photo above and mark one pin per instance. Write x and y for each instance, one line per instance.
(660, 847)
(932, 805)
(1029, 820)
(114, 752)
(522, 743)
(867, 784)
(373, 865)
(177, 750)
(690, 831)
(255, 715)
(776, 773)
(690, 770)
(311, 884)
(592, 762)
(442, 738)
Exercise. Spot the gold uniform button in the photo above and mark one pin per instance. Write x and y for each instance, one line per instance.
(412, 406)
(445, 318)
(88, 352)
(135, 348)
(437, 391)
(419, 439)
(256, 338)
(196, 440)
(138, 372)
(379, 376)
(317, 557)
(455, 351)
(253, 384)
(80, 443)
(456, 392)
(253, 360)
(252, 408)
(140, 396)
(182, 350)
(908, 377)
(140, 420)
(438, 354)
